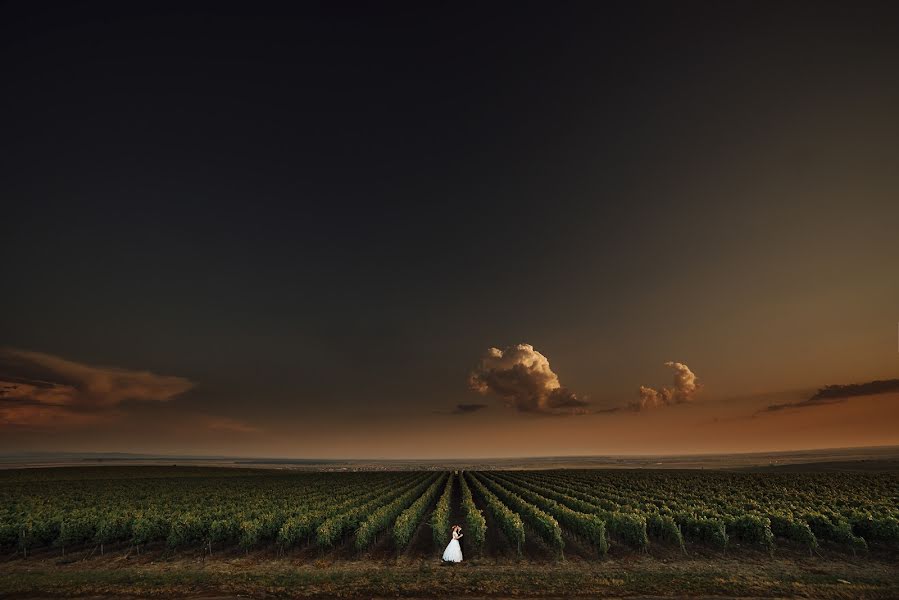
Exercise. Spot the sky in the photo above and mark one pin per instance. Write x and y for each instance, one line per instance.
(429, 230)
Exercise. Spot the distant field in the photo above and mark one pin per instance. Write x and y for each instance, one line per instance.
(879, 458)
(89, 527)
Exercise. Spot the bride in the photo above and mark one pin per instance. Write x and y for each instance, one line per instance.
(453, 552)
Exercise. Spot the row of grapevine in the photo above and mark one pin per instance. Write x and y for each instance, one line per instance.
(301, 527)
(880, 529)
(408, 521)
(385, 514)
(260, 526)
(440, 518)
(333, 528)
(589, 527)
(719, 507)
(839, 497)
(508, 520)
(75, 508)
(625, 527)
(703, 529)
(474, 518)
(264, 526)
(706, 526)
(784, 525)
(543, 523)
(751, 529)
(179, 511)
(633, 527)
(837, 530)
(664, 528)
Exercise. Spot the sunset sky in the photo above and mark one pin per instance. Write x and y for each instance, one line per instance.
(449, 230)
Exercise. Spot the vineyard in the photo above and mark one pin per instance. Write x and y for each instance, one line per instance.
(545, 515)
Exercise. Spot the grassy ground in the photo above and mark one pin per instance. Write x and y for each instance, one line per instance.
(263, 574)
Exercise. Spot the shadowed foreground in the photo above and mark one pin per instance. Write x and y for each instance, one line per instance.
(261, 574)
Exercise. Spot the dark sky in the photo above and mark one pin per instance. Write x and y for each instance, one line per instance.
(322, 214)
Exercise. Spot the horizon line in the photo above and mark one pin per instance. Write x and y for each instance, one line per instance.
(443, 459)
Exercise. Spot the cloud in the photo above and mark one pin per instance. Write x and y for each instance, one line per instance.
(685, 388)
(467, 409)
(522, 377)
(43, 390)
(833, 394)
(39, 392)
(852, 390)
(65, 382)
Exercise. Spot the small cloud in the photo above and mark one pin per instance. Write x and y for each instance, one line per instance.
(856, 389)
(467, 409)
(686, 385)
(833, 394)
(522, 377)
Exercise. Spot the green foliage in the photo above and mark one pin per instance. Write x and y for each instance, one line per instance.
(752, 529)
(297, 529)
(630, 528)
(196, 507)
(476, 525)
(354, 514)
(875, 529)
(187, 529)
(795, 530)
(627, 528)
(250, 532)
(9, 533)
(836, 529)
(75, 528)
(703, 529)
(184, 507)
(148, 526)
(408, 521)
(385, 514)
(224, 531)
(544, 523)
(40, 531)
(114, 527)
(664, 528)
(589, 527)
(440, 525)
(509, 521)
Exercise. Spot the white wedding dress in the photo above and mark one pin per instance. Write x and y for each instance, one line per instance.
(453, 552)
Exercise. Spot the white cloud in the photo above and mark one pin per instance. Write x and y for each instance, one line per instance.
(685, 387)
(522, 377)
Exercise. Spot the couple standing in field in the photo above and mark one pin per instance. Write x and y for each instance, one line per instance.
(453, 552)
